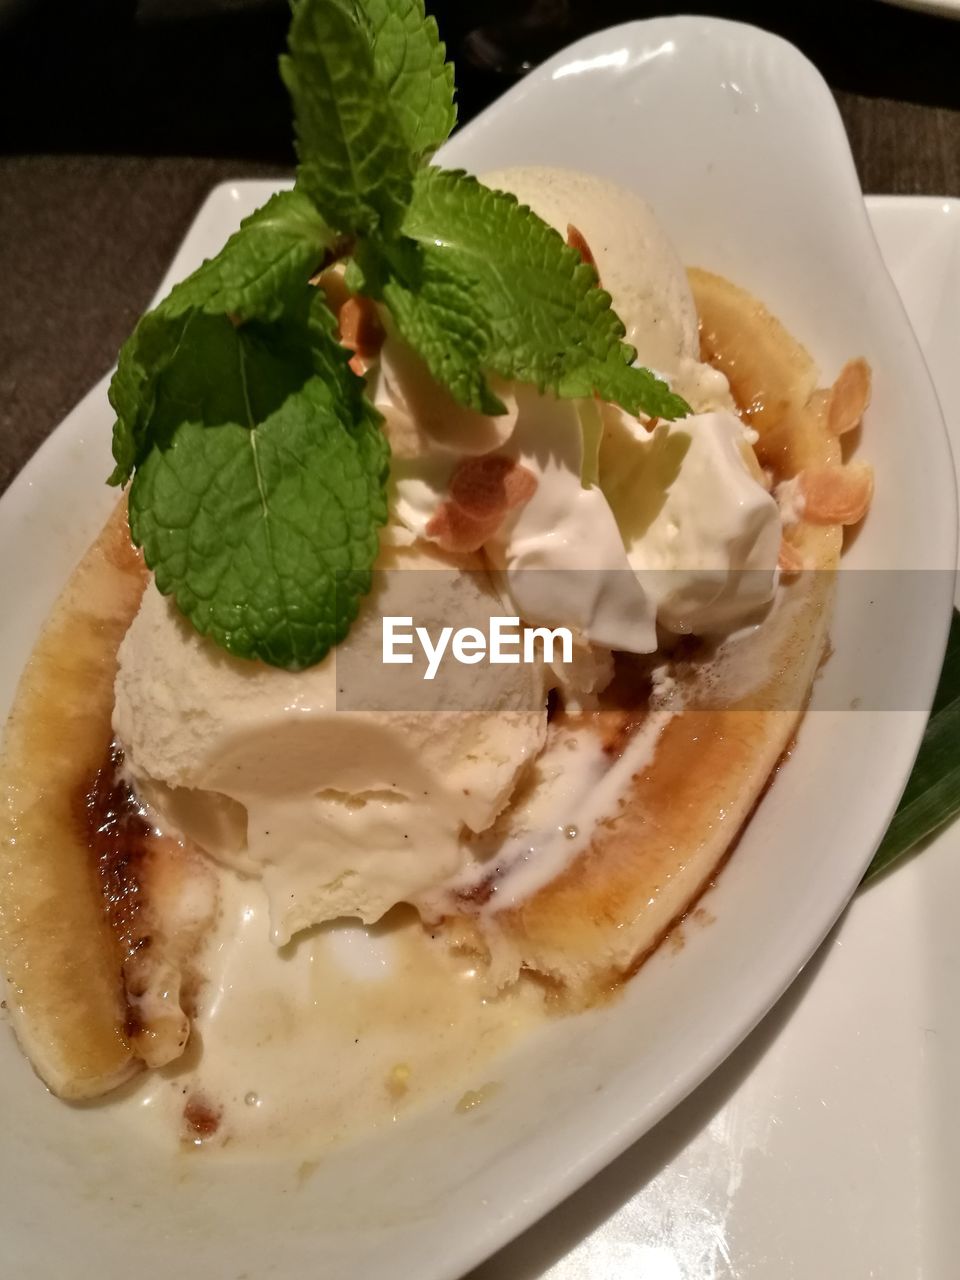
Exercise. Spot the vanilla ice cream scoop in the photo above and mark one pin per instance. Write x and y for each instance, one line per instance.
(348, 786)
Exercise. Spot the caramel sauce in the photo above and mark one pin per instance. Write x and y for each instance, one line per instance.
(144, 878)
(624, 703)
(479, 894)
(118, 839)
(201, 1118)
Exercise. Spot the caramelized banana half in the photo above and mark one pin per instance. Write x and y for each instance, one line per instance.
(594, 924)
(99, 917)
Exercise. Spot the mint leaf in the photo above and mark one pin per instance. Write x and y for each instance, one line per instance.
(131, 389)
(619, 381)
(526, 306)
(253, 276)
(440, 312)
(275, 251)
(355, 164)
(222, 373)
(265, 536)
(259, 501)
(409, 61)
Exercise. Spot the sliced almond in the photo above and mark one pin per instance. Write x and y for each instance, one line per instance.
(361, 330)
(819, 404)
(454, 529)
(836, 494)
(331, 281)
(482, 491)
(577, 240)
(849, 397)
(491, 485)
(520, 485)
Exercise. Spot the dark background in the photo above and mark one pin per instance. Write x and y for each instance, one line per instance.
(116, 117)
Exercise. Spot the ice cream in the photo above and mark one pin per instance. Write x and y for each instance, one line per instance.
(344, 810)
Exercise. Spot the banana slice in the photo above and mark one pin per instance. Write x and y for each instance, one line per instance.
(61, 960)
(100, 915)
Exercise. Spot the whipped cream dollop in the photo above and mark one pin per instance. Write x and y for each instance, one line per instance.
(700, 529)
(626, 525)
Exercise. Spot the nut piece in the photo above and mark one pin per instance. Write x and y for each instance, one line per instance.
(577, 240)
(360, 331)
(482, 491)
(849, 397)
(836, 494)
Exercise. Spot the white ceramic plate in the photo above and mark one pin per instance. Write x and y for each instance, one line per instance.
(735, 138)
(945, 8)
(841, 1107)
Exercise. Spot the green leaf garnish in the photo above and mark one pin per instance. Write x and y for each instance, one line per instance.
(409, 61)
(259, 502)
(493, 287)
(932, 794)
(252, 277)
(274, 252)
(355, 164)
(260, 472)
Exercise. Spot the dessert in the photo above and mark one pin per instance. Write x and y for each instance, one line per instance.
(237, 744)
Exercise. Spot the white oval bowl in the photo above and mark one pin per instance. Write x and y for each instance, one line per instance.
(735, 139)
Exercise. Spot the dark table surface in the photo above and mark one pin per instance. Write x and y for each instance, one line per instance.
(116, 117)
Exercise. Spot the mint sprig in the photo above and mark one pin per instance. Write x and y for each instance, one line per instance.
(410, 63)
(252, 277)
(493, 287)
(259, 467)
(355, 163)
(259, 505)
